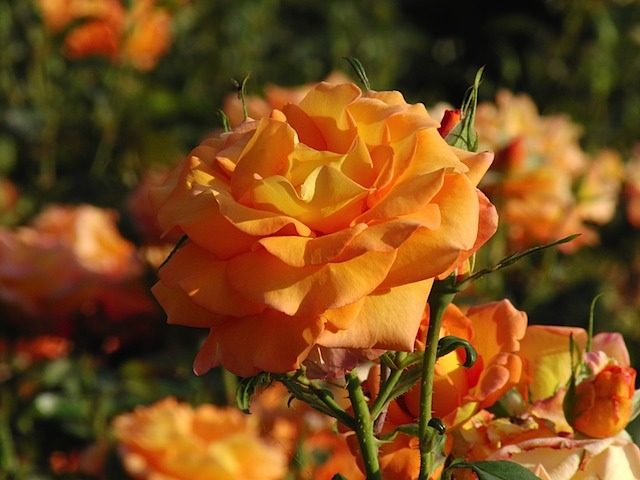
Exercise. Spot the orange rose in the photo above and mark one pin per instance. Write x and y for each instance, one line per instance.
(603, 404)
(495, 330)
(174, 441)
(321, 225)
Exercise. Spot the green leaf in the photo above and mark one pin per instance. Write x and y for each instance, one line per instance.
(451, 343)
(247, 387)
(359, 69)
(497, 470)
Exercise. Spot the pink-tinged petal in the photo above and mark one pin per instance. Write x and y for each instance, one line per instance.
(181, 310)
(310, 290)
(546, 356)
(265, 155)
(270, 342)
(388, 320)
(613, 345)
(428, 253)
(325, 105)
(301, 251)
(203, 279)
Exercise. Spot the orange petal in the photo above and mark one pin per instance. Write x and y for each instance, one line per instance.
(181, 310)
(428, 253)
(265, 155)
(203, 278)
(387, 320)
(300, 251)
(270, 342)
(309, 290)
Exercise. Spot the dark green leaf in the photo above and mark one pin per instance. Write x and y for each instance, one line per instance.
(247, 387)
(498, 470)
(359, 69)
(450, 343)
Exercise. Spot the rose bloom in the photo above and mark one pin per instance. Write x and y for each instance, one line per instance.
(69, 261)
(495, 330)
(545, 186)
(319, 226)
(536, 433)
(138, 36)
(174, 441)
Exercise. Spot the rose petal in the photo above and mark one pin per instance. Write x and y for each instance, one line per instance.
(388, 320)
(181, 310)
(276, 343)
(308, 290)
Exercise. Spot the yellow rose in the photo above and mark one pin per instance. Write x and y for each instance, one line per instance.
(322, 225)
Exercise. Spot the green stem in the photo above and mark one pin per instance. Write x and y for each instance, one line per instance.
(364, 427)
(438, 301)
(386, 387)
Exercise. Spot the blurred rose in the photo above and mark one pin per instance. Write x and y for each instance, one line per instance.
(544, 185)
(632, 187)
(318, 226)
(173, 441)
(70, 261)
(138, 35)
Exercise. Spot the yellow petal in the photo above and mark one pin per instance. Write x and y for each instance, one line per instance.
(265, 155)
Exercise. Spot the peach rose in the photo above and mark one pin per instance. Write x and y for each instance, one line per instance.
(321, 225)
(544, 185)
(173, 441)
(70, 261)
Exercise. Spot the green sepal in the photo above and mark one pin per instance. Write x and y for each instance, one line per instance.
(338, 476)
(463, 135)
(495, 470)
(359, 69)
(409, 429)
(226, 125)
(247, 387)
(451, 343)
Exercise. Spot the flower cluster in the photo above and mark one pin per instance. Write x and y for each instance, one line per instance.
(96, 271)
(137, 35)
(318, 227)
(544, 185)
(513, 403)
